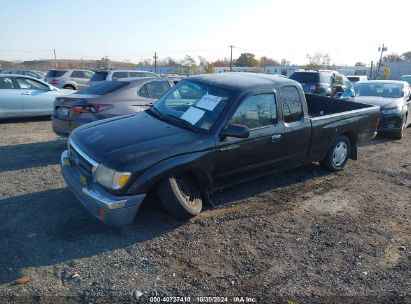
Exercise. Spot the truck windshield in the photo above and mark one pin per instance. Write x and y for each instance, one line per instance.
(195, 104)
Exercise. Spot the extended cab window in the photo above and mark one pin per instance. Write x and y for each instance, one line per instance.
(292, 106)
(143, 92)
(256, 112)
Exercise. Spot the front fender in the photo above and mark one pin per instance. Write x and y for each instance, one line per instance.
(198, 164)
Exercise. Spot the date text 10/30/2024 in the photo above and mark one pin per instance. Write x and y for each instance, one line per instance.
(202, 299)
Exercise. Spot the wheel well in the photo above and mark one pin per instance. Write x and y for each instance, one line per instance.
(69, 86)
(351, 136)
(201, 186)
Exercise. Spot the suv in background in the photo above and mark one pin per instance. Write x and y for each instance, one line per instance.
(324, 82)
(74, 79)
(109, 75)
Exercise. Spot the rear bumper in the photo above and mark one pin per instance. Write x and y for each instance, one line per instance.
(108, 208)
(64, 127)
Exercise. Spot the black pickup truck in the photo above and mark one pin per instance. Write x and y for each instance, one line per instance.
(205, 133)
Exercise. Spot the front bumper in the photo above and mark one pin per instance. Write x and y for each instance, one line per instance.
(106, 207)
(390, 123)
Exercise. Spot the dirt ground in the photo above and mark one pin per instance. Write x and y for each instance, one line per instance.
(296, 237)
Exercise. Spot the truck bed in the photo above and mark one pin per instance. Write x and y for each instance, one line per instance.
(321, 105)
(332, 116)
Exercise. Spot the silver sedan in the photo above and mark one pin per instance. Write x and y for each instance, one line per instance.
(24, 96)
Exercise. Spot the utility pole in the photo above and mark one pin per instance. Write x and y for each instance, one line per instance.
(55, 58)
(380, 49)
(155, 62)
(372, 63)
(231, 57)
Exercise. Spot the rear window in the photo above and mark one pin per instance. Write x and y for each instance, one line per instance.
(305, 77)
(103, 88)
(99, 76)
(55, 73)
(353, 78)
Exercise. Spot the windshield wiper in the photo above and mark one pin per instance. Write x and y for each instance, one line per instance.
(183, 123)
(156, 113)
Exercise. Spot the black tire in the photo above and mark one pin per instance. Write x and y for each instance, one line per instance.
(69, 87)
(336, 160)
(181, 196)
(400, 134)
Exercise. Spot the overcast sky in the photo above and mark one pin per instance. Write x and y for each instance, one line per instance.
(349, 31)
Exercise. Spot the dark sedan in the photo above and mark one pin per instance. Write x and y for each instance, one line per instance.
(394, 99)
(105, 100)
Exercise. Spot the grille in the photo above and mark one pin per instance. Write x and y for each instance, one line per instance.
(80, 160)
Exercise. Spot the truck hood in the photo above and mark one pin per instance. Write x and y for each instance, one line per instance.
(382, 102)
(135, 142)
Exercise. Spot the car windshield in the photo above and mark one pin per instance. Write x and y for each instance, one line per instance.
(380, 89)
(194, 104)
(103, 88)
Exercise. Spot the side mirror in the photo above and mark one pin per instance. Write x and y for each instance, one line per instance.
(238, 131)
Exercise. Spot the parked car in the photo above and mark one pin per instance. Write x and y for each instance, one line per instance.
(208, 132)
(324, 83)
(106, 99)
(394, 99)
(73, 79)
(23, 96)
(355, 78)
(406, 78)
(109, 75)
(34, 74)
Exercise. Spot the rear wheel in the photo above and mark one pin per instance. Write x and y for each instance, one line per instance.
(69, 87)
(338, 155)
(181, 196)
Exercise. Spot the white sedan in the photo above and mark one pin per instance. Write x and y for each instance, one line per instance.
(24, 96)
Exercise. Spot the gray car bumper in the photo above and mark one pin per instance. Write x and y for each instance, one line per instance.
(108, 208)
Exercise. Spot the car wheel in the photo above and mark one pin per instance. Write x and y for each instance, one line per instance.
(181, 196)
(69, 87)
(400, 133)
(338, 155)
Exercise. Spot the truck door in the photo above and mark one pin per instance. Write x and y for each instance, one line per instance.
(237, 158)
(297, 126)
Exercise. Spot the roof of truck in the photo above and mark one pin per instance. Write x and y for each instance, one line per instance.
(239, 81)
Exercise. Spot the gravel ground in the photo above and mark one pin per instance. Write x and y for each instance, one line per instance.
(295, 237)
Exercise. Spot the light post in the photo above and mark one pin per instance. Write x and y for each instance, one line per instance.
(381, 50)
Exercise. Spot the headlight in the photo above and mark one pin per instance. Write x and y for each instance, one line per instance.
(392, 111)
(110, 178)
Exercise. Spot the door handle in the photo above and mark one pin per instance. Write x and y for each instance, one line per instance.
(275, 137)
(232, 147)
(25, 93)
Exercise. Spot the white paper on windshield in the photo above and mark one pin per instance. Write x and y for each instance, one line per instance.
(208, 102)
(192, 115)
